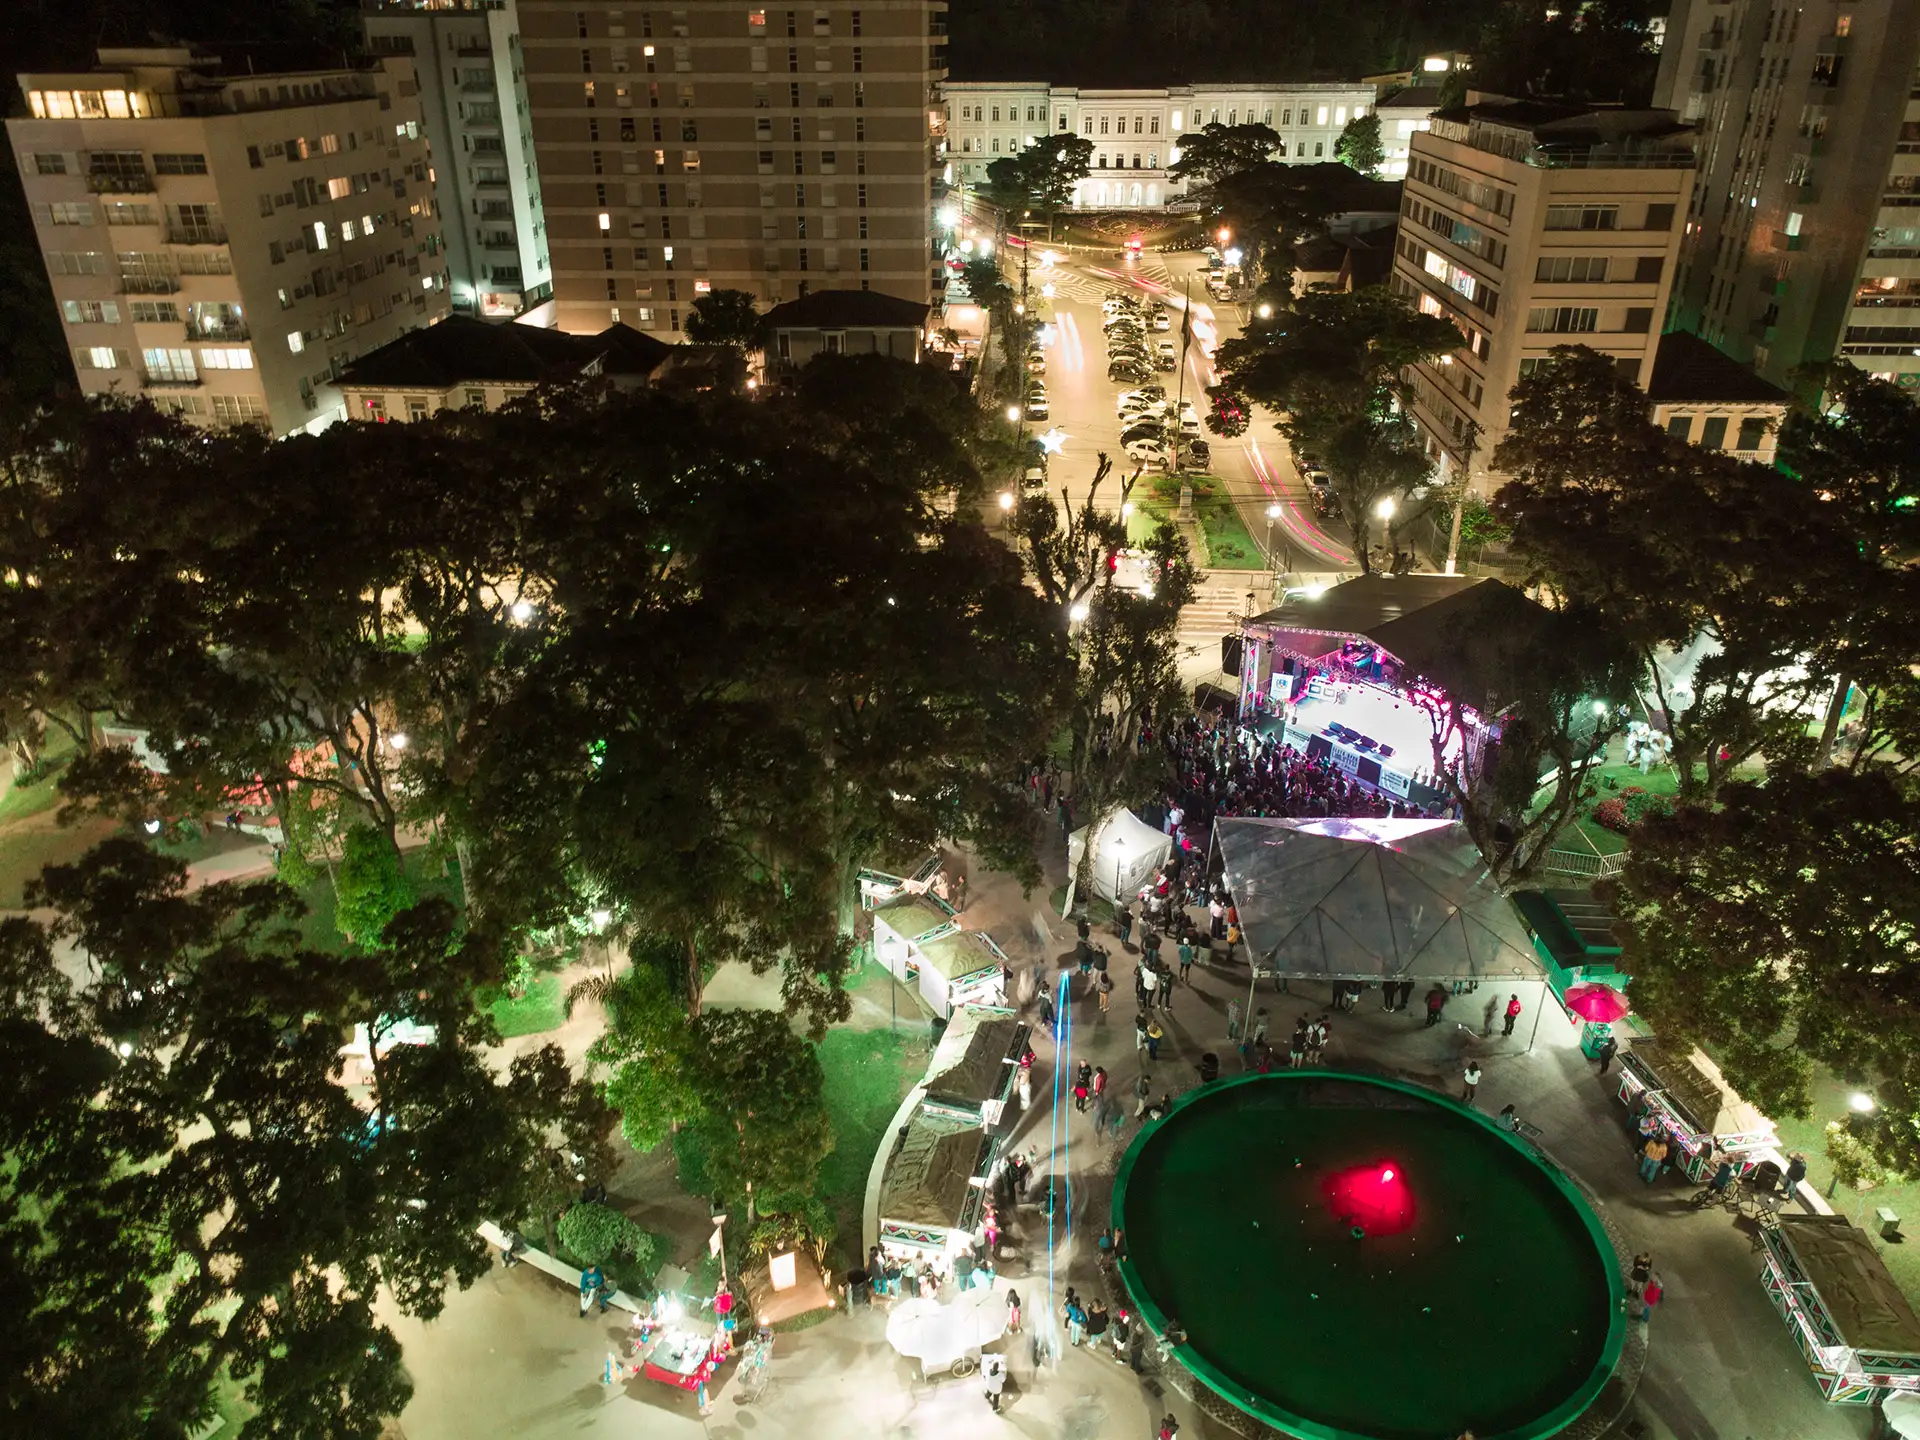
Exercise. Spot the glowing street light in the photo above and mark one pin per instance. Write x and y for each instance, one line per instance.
(1385, 508)
(1600, 708)
(602, 919)
(986, 246)
(1053, 441)
(1861, 1102)
(1225, 234)
(1273, 512)
(1079, 612)
(1126, 510)
(1013, 414)
(950, 216)
(1006, 500)
(397, 740)
(1265, 311)
(522, 611)
(1232, 255)
(1046, 292)
(1019, 307)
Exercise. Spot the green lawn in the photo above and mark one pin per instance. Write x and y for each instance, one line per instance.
(1586, 833)
(1222, 532)
(25, 852)
(1808, 1136)
(867, 1074)
(541, 1009)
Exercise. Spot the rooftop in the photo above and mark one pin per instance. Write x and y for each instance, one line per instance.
(463, 350)
(1555, 135)
(847, 310)
(165, 82)
(1411, 97)
(1689, 371)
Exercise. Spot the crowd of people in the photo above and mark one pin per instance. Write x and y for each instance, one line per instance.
(1222, 768)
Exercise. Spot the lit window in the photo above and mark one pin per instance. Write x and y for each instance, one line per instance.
(339, 188)
(606, 221)
(366, 225)
(214, 357)
(319, 234)
(1173, 121)
(296, 342)
(348, 230)
(1323, 116)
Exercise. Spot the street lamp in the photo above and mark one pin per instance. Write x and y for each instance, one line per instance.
(1265, 311)
(522, 611)
(1006, 500)
(1861, 1102)
(1225, 234)
(1126, 510)
(1013, 414)
(397, 740)
(1385, 508)
(1078, 613)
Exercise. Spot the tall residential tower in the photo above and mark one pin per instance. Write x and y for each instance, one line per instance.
(1803, 227)
(224, 242)
(708, 146)
(473, 92)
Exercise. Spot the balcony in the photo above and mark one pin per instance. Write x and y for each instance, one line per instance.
(149, 284)
(102, 182)
(235, 330)
(196, 234)
(151, 380)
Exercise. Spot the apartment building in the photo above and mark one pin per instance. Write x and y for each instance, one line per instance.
(1403, 111)
(473, 97)
(1531, 225)
(715, 146)
(224, 242)
(1802, 238)
(1136, 133)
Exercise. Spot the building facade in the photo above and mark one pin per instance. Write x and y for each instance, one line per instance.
(1529, 226)
(1709, 399)
(223, 244)
(1403, 112)
(473, 97)
(684, 150)
(1803, 231)
(1136, 133)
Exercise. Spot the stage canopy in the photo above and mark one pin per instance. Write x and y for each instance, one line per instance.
(1127, 855)
(1364, 899)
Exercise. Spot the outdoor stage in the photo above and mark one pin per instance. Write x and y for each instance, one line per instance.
(1377, 736)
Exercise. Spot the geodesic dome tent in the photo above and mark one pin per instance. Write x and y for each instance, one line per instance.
(1371, 900)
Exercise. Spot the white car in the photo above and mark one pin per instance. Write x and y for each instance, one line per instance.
(1162, 320)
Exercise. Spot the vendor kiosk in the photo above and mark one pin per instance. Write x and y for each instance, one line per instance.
(1854, 1325)
(1695, 1107)
(677, 1344)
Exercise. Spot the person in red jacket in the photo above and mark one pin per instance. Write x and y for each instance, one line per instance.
(1650, 1294)
(1513, 1013)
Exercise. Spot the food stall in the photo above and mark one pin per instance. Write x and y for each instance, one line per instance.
(677, 1344)
(927, 950)
(934, 1191)
(1683, 1089)
(977, 1062)
(1854, 1325)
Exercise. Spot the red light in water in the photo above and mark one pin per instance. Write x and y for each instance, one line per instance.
(1373, 1198)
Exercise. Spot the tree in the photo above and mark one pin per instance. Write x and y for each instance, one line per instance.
(1122, 667)
(372, 887)
(192, 1192)
(596, 1233)
(724, 317)
(1678, 548)
(746, 1088)
(1359, 145)
(1270, 207)
(1333, 364)
(1606, 51)
(1213, 152)
(1776, 926)
(1040, 176)
(1554, 683)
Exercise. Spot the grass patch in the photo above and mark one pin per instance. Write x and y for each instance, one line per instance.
(25, 852)
(1808, 1136)
(1222, 532)
(317, 929)
(868, 1073)
(541, 1009)
(37, 796)
(803, 1322)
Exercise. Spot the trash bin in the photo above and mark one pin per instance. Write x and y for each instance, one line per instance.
(1889, 1224)
(1209, 1067)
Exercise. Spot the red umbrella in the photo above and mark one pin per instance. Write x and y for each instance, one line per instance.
(1597, 1002)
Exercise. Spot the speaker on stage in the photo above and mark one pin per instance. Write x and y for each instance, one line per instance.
(1231, 649)
(1286, 665)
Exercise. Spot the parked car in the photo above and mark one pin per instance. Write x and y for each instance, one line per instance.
(1199, 452)
(1162, 320)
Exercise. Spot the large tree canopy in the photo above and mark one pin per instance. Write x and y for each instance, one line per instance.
(191, 1190)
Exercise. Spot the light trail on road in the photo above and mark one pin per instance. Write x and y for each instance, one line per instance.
(1292, 519)
(1066, 340)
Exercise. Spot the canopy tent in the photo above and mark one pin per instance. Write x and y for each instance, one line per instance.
(1853, 1323)
(1375, 900)
(1128, 853)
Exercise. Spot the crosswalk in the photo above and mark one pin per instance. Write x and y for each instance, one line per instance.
(1216, 611)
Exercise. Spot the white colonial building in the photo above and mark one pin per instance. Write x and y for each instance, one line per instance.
(1136, 133)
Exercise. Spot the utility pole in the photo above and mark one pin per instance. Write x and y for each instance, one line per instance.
(1186, 339)
(1460, 503)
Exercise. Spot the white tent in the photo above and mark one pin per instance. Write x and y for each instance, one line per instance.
(1126, 855)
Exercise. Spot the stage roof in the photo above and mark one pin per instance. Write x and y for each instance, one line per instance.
(1447, 628)
(1364, 899)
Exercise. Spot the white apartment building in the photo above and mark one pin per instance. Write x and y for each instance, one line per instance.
(1531, 225)
(224, 243)
(1136, 133)
(1404, 112)
(473, 96)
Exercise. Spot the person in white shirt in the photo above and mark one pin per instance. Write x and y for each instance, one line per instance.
(1473, 1080)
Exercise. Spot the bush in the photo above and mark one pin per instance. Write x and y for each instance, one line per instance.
(596, 1233)
(804, 1223)
(1620, 813)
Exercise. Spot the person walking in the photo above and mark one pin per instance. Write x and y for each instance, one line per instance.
(1103, 990)
(1149, 982)
(1513, 1013)
(1493, 1009)
(1046, 1009)
(1650, 1294)
(1026, 1088)
(1605, 1053)
(1473, 1080)
(1186, 960)
(1796, 1172)
(1166, 991)
(1259, 1031)
(1123, 923)
(1082, 1086)
(1169, 1429)
(993, 1378)
(1076, 1317)
(1142, 1088)
(1139, 1032)
(1013, 1311)
(1317, 1041)
(1097, 1321)
(1642, 1271)
(1216, 919)
(1154, 1036)
(1652, 1156)
(1099, 1081)
(1297, 1046)
(1436, 1002)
